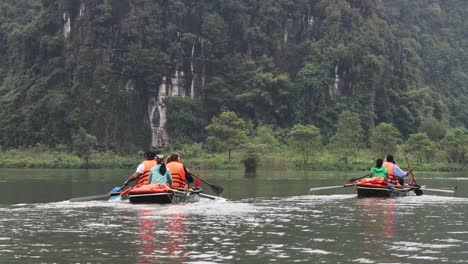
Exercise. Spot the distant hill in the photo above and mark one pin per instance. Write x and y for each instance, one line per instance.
(113, 67)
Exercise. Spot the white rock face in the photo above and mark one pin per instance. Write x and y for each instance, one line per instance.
(66, 25)
(82, 9)
(192, 85)
(157, 110)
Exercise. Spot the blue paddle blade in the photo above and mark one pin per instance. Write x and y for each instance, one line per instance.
(115, 198)
(115, 191)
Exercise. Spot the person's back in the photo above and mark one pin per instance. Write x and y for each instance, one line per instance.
(143, 170)
(144, 177)
(177, 171)
(160, 174)
(379, 170)
(390, 165)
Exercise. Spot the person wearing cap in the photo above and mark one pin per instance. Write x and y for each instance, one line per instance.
(143, 170)
(160, 174)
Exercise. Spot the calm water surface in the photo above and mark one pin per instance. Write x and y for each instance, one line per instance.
(268, 219)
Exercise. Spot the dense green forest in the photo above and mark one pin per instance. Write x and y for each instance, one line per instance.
(216, 76)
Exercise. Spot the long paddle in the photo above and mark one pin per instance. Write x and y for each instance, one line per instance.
(211, 197)
(412, 181)
(114, 192)
(355, 179)
(216, 189)
(347, 183)
(418, 191)
(439, 190)
(330, 187)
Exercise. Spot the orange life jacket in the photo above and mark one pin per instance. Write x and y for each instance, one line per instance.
(391, 178)
(143, 179)
(374, 180)
(178, 174)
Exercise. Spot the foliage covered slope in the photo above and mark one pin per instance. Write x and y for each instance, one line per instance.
(95, 64)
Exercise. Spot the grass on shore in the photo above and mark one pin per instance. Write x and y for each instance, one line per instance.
(40, 157)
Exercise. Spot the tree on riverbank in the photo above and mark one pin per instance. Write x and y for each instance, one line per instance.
(305, 141)
(455, 144)
(384, 139)
(348, 137)
(421, 146)
(226, 133)
(83, 144)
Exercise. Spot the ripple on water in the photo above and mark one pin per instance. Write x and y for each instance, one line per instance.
(218, 207)
(308, 228)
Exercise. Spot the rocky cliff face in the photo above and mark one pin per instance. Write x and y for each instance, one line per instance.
(109, 65)
(103, 34)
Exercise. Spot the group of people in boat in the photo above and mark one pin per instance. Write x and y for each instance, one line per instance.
(157, 169)
(389, 172)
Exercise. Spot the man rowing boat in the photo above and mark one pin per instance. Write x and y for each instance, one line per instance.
(395, 174)
(143, 170)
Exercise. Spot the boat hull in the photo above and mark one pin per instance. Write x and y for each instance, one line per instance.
(164, 198)
(384, 192)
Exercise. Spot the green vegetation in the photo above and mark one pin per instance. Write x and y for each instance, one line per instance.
(226, 133)
(83, 144)
(301, 147)
(348, 139)
(384, 139)
(305, 140)
(313, 83)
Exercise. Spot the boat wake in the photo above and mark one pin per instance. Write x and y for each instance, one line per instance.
(204, 207)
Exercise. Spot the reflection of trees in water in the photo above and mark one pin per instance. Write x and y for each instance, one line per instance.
(155, 244)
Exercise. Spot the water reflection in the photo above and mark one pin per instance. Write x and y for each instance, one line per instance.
(379, 225)
(161, 237)
(378, 216)
(268, 220)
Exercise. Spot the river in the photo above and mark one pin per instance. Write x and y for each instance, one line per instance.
(267, 219)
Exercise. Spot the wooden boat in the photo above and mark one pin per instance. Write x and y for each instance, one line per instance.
(162, 194)
(367, 191)
(378, 187)
(154, 193)
(165, 198)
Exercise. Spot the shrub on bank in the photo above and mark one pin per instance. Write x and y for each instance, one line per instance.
(195, 158)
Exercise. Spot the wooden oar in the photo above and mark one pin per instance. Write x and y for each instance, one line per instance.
(439, 190)
(115, 191)
(100, 197)
(331, 187)
(418, 190)
(347, 183)
(412, 181)
(216, 189)
(211, 197)
(355, 179)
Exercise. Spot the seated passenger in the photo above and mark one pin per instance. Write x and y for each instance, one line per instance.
(180, 175)
(395, 174)
(142, 172)
(378, 170)
(160, 174)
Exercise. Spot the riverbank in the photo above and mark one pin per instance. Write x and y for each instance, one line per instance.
(47, 158)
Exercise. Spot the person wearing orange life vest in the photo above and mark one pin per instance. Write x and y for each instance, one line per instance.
(143, 170)
(395, 174)
(181, 177)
